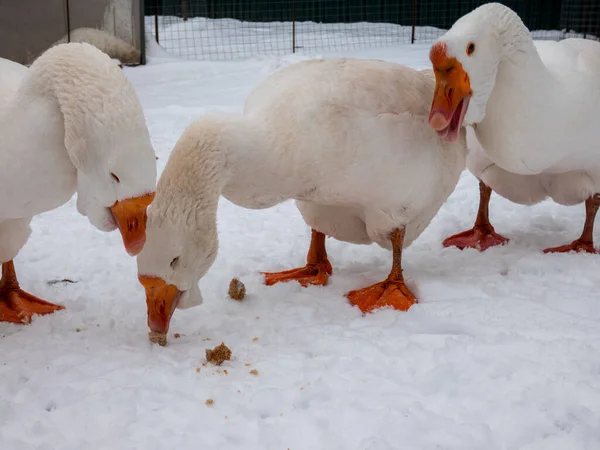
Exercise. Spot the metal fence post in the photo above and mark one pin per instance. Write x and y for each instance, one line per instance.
(414, 21)
(184, 9)
(68, 22)
(293, 26)
(142, 13)
(156, 20)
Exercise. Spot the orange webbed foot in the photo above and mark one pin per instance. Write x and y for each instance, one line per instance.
(380, 295)
(18, 306)
(478, 238)
(575, 246)
(315, 274)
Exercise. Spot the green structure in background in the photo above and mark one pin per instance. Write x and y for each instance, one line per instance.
(582, 16)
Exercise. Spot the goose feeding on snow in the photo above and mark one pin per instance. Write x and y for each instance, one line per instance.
(70, 123)
(535, 107)
(348, 139)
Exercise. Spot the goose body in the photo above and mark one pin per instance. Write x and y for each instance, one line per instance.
(70, 123)
(104, 40)
(533, 105)
(347, 139)
(11, 74)
(41, 179)
(554, 103)
(315, 141)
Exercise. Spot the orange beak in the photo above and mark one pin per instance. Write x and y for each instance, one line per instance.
(452, 93)
(130, 216)
(161, 300)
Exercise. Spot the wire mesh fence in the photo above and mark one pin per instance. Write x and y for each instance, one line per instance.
(236, 29)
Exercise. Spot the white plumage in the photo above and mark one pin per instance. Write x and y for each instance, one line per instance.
(113, 46)
(535, 106)
(70, 123)
(347, 139)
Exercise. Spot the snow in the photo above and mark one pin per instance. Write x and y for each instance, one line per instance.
(501, 353)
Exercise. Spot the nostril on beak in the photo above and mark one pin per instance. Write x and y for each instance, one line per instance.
(132, 224)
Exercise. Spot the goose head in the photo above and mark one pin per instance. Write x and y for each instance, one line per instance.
(177, 254)
(115, 185)
(105, 135)
(181, 233)
(465, 62)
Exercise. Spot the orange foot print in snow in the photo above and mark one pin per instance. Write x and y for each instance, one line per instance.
(16, 305)
(316, 271)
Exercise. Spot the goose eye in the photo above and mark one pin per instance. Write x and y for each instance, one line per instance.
(470, 48)
(116, 178)
(174, 262)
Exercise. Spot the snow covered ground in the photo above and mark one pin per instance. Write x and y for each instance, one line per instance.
(225, 39)
(501, 353)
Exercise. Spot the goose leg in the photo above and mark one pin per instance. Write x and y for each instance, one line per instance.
(316, 271)
(391, 292)
(585, 243)
(17, 305)
(482, 236)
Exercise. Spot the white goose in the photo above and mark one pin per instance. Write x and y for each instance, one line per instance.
(347, 139)
(70, 123)
(110, 44)
(534, 106)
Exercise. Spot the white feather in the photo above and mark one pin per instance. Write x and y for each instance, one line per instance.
(113, 46)
(536, 106)
(349, 140)
(66, 123)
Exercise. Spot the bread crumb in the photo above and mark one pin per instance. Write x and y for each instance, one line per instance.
(197, 369)
(177, 335)
(225, 372)
(237, 290)
(255, 339)
(254, 372)
(247, 364)
(158, 338)
(209, 401)
(218, 354)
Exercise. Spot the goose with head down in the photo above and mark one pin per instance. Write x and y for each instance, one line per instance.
(69, 123)
(347, 139)
(533, 106)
